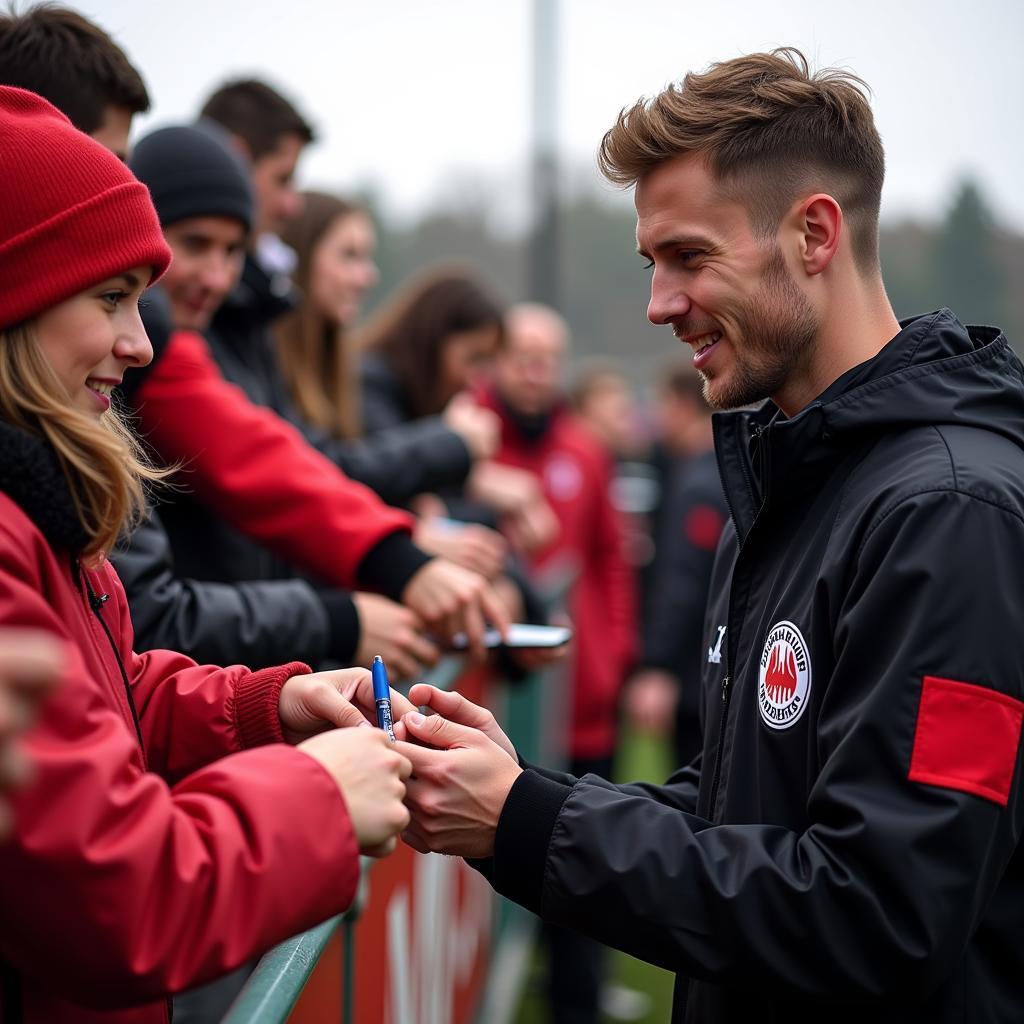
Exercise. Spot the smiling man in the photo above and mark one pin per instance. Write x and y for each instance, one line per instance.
(847, 846)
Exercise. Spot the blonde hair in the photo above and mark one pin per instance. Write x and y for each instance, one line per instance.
(103, 462)
(768, 128)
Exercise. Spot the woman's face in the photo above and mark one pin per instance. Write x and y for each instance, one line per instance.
(464, 356)
(342, 270)
(90, 339)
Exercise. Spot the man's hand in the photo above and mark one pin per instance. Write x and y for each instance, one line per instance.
(459, 789)
(650, 700)
(470, 545)
(30, 665)
(395, 633)
(451, 599)
(313, 703)
(455, 708)
(370, 774)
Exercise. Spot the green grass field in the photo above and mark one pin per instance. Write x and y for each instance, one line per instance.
(639, 759)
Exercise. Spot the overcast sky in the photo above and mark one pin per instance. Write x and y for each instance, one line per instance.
(420, 98)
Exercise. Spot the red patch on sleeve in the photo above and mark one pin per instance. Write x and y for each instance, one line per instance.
(703, 526)
(966, 738)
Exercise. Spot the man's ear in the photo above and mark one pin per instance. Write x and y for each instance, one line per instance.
(819, 221)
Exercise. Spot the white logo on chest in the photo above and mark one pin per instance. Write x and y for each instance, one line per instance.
(784, 680)
(715, 653)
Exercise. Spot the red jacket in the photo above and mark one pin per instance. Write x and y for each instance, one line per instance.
(131, 875)
(257, 472)
(575, 472)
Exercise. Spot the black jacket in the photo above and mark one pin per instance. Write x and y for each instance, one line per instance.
(258, 623)
(849, 849)
(398, 462)
(398, 465)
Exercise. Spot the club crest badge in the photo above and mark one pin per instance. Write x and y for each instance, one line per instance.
(784, 681)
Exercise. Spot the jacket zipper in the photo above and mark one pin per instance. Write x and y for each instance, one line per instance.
(716, 778)
(96, 603)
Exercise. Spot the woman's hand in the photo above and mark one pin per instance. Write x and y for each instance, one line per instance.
(318, 701)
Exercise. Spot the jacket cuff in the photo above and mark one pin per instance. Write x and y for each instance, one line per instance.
(523, 837)
(389, 566)
(255, 705)
(343, 627)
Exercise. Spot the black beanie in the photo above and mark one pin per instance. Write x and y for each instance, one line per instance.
(191, 171)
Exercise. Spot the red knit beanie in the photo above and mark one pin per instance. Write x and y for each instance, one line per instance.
(71, 214)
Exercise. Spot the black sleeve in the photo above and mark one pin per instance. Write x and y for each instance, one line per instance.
(380, 401)
(401, 461)
(910, 864)
(259, 623)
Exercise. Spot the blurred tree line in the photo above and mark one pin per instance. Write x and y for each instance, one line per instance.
(967, 262)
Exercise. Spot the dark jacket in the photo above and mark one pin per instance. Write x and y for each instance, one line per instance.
(253, 622)
(849, 849)
(248, 468)
(398, 463)
(690, 522)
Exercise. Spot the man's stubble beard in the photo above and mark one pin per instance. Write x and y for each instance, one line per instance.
(778, 328)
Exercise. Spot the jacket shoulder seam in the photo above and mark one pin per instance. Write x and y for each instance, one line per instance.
(949, 452)
(903, 499)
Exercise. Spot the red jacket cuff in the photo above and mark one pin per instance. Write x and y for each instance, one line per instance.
(255, 705)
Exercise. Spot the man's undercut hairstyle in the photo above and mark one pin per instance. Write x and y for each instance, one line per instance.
(66, 59)
(770, 130)
(257, 114)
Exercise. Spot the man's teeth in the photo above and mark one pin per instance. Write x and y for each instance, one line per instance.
(705, 341)
(103, 389)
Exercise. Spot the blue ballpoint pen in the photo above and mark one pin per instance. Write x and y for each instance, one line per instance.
(382, 696)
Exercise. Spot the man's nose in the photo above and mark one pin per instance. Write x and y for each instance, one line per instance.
(667, 303)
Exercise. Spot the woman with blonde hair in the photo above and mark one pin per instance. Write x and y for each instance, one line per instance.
(182, 818)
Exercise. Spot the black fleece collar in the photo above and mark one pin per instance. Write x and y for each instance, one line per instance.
(31, 475)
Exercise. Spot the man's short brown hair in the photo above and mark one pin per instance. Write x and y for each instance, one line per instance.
(66, 59)
(257, 114)
(769, 129)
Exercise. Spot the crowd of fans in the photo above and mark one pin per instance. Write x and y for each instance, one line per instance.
(189, 395)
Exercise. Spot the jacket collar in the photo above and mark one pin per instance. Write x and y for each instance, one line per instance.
(31, 475)
(259, 298)
(935, 371)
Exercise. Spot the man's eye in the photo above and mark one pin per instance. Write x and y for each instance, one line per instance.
(686, 255)
(112, 298)
(649, 264)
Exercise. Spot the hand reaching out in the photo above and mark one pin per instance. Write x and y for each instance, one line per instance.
(451, 599)
(395, 633)
(455, 708)
(313, 703)
(462, 779)
(371, 774)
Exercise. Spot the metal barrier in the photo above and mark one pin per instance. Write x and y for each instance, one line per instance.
(433, 919)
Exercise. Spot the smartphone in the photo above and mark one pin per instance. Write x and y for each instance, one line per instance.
(520, 635)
